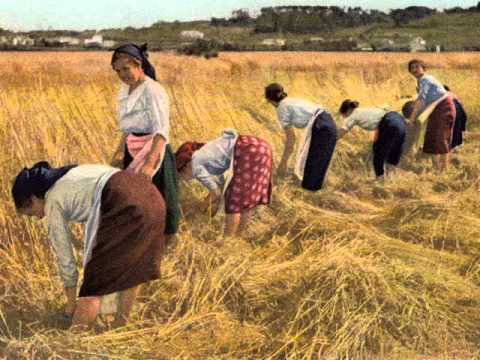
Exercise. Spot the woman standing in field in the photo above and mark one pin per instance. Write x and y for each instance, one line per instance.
(124, 238)
(144, 120)
(391, 131)
(247, 162)
(438, 103)
(318, 143)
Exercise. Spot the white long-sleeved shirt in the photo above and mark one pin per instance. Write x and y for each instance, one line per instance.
(70, 200)
(146, 110)
(296, 112)
(366, 118)
(214, 158)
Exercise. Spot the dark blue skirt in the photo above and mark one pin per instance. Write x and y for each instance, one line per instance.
(392, 131)
(322, 146)
(460, 124)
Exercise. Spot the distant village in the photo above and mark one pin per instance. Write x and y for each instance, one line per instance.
(413, 44)
(282, 28)
(16, 41)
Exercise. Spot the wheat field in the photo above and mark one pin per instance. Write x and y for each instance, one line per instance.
(360, 270)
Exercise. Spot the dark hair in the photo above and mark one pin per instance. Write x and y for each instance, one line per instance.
(139, 53)
(35, 181)
(348, 105)
(407, 109)
(184, 154)
(417, 62)
(275, 92)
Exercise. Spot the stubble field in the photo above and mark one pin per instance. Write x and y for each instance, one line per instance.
(362, 269)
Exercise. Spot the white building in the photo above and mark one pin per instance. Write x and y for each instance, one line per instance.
(109, 44)
(274, 42)
(192, 34)
(94, 41)
(22, 41)
(3, 40)
(418, 44)
(68, 40)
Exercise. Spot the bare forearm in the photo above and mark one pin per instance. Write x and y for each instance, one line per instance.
(417, 107)
(289, 147)
(120, 149)
(71, 295)
(287, 151)
(156, 152)
(341, 133)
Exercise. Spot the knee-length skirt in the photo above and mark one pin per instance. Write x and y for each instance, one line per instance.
(438, 136)
(251, 184)
(130, 238)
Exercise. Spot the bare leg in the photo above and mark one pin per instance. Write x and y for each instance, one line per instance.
(125, 304)
(232, 222)
(244, 219)
(390, 170)
(441, 161)
(444, 161)
(170, 240)
(86, 312)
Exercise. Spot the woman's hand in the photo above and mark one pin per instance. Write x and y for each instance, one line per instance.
(282, 169)
(287, 151)
(148, 171)
(69, 309)
(212, 202)
(117, 163)
(71, 295)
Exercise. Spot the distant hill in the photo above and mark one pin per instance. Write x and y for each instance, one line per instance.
(311, 28)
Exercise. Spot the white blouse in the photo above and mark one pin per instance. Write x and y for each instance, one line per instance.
(296, 112)
(146, 110)
(70, 200)
(213, 159)
(366, 118)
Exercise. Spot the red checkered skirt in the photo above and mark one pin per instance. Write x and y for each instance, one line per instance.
(251, 184)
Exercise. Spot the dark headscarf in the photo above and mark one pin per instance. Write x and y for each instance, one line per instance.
(184, 154)
(36, 181)
(139, 53)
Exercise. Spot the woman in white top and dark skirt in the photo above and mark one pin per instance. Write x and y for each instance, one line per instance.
(143, 111)
(249, 161)
(391, 130)
(321, 133)
(433, 96)
(124, 233)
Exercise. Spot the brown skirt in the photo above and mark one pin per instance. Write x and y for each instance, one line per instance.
(130, 238)
(438, 135)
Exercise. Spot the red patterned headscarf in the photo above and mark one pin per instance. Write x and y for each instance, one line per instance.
(185, 152)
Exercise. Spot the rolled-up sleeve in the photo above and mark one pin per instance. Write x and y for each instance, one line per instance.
(158, 110)
(61, 239)
(206, 179)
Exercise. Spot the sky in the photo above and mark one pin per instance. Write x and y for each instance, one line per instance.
(26, 15)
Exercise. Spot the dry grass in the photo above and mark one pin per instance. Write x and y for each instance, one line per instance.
(360, 270)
